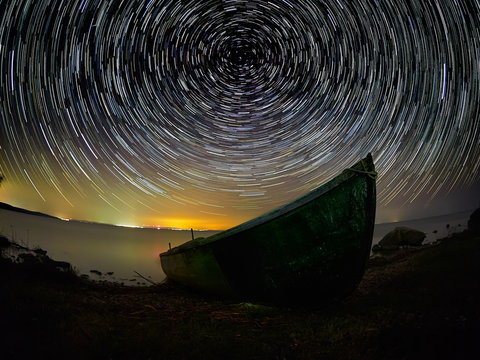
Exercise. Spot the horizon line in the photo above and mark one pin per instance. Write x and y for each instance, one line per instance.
(156, 227)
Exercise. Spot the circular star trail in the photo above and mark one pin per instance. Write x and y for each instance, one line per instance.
(229, 108)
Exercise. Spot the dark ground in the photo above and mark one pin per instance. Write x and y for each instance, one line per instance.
(416, 304)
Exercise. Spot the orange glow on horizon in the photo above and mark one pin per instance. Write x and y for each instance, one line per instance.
(104, 216)
(190, 223)
(96, 211)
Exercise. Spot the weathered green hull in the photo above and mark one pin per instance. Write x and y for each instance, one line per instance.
(311, 250)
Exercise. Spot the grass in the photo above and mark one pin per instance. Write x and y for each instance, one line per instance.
(416, 305)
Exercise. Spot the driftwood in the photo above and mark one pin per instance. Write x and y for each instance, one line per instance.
(144, 278)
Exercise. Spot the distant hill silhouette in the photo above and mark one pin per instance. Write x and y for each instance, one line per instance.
(9, 207)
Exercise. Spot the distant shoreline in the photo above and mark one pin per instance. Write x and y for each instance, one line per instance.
(9, 207)
(428, 217)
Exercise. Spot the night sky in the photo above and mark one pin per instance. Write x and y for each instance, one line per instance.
(205, 114)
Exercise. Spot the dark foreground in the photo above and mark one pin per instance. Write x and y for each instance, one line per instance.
(417, 304)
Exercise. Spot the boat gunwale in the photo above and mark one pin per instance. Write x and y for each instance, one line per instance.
(312, 195)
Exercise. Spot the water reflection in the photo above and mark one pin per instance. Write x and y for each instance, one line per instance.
(123, 251)
(99, 247)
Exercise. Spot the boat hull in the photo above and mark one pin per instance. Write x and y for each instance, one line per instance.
(311, 251)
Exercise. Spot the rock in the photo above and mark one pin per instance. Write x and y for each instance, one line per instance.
(29, 259)
(474, 222)
(110, 273)
(400, 236)
(4, 242)
(376, 248)
(40, 251)
(63, 265)
(96, 272)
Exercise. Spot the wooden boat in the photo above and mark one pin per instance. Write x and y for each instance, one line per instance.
(311, 250)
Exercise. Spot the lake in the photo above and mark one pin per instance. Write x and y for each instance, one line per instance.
(435, 227)
(89, 246)
(122, 250)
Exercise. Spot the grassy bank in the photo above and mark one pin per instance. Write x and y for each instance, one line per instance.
(422, 304)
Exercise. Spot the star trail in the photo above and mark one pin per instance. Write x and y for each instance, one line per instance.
(207, 113)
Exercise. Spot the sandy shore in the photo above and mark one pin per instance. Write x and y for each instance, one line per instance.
(414, 304)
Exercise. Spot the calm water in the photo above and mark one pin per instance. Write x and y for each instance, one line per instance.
(95, 246)
(124, 250)
(457, 222)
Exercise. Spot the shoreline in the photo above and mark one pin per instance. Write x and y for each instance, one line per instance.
(413, 304)
(121, 250)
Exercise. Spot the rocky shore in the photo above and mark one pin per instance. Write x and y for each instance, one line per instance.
(416, 303)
